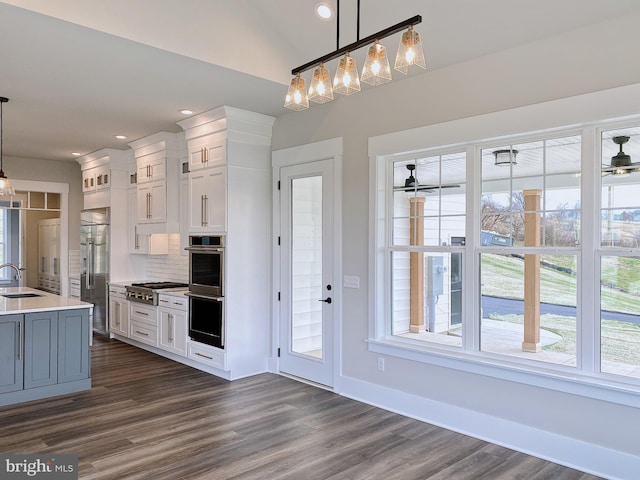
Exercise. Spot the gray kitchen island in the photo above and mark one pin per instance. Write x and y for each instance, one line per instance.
(44, 345)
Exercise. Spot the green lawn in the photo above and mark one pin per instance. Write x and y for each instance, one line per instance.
(503, 276)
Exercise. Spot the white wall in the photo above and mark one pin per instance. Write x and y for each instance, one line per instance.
(582, 61)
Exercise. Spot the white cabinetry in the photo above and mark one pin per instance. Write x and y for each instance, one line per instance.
(230, 193)
(143, 323)
(144, 243)
(118, 311)
(172, 311)
(49, 255)
(157, 171)
(208, 197)
(110, 168)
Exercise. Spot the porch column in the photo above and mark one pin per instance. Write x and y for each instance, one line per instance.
(531, 341)
(416, 266)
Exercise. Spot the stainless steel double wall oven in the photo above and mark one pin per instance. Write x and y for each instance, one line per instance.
(206, 289)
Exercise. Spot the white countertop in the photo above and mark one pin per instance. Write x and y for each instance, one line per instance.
(42, 303)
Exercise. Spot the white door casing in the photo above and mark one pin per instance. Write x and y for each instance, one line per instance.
(307, 261)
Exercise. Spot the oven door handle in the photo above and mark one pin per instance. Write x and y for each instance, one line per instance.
(201, 249)
(204, 297)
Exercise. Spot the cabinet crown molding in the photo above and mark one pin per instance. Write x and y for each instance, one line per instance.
(115, 158)
(240, 125)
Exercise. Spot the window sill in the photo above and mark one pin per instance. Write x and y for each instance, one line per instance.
(562, 379)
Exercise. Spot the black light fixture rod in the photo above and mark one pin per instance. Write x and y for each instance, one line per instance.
(358, 23)
(358, 44)
(337, 27)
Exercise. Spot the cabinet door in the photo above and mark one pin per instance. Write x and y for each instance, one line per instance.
(152, 202)
(118, 315)
(151, 169)
(173, 331)
(208, 195)
(11, 353)
(180, 328)
(40, 349)
(165, 341)
(208, 151)
(136, 241)
(89, 180)
(73, 345)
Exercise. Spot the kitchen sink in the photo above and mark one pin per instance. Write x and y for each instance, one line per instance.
(21, 295)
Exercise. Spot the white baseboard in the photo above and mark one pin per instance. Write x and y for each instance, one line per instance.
(570, 452)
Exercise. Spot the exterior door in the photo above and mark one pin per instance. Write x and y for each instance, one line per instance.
(307, 303)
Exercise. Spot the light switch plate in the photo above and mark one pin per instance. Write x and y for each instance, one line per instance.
(351, 282)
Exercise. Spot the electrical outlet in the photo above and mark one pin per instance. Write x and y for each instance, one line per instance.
(381, 364)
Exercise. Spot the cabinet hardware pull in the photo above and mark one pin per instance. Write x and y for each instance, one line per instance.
(163, 301)
(202, 210)
(204, 356)
(136, 241)
(171, 327)
(141, 313)
(20, 342)
(206, 155)
(206, 211)
(142, 333)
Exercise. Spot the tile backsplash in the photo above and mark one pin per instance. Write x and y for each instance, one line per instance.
(173, 267)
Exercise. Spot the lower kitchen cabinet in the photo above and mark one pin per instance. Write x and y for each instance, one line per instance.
(43, 354)
(11, 353)
(143, 323)
(118, 311)
(173, 324)
(73, 338)
(40, 349)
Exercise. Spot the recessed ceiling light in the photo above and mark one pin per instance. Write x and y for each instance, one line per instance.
(76, 154)
(324, 10)
(121, 137)
(186, 111)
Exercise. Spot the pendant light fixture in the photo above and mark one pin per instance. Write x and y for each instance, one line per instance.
(5, 187)
(297, 98)
(320, 90)
(346, 80)
(376, 70)
(410, 51)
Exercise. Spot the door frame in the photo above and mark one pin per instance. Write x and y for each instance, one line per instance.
(324, 150)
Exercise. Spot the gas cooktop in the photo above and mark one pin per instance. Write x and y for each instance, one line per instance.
(147, 292)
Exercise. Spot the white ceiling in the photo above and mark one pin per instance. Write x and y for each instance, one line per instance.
(78, 72)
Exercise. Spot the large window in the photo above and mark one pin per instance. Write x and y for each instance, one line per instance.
(498, 250)
(530, 208)
(428, 232)
(619, 252)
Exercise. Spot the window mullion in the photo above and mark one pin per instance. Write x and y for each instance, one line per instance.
(588, 346)
(471, 285)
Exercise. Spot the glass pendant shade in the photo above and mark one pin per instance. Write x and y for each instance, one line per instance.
(297, 98)
(320, 90)
(409, 52)
(346, 80)
(376, 70)
(5, 187)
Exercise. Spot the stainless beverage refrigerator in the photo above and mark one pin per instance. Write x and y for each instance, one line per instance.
(94, 266)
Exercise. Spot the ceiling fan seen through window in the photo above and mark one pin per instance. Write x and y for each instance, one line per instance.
(411, 184)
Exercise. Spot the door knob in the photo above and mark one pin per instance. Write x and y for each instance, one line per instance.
(326, 300)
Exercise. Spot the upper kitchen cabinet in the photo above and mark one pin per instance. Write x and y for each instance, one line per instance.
(158, 191)
(229, 160)
(102, 171)
(109, 170)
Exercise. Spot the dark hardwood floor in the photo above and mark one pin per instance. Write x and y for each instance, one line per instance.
(147, 417)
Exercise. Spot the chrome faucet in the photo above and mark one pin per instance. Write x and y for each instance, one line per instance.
(15, 267)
